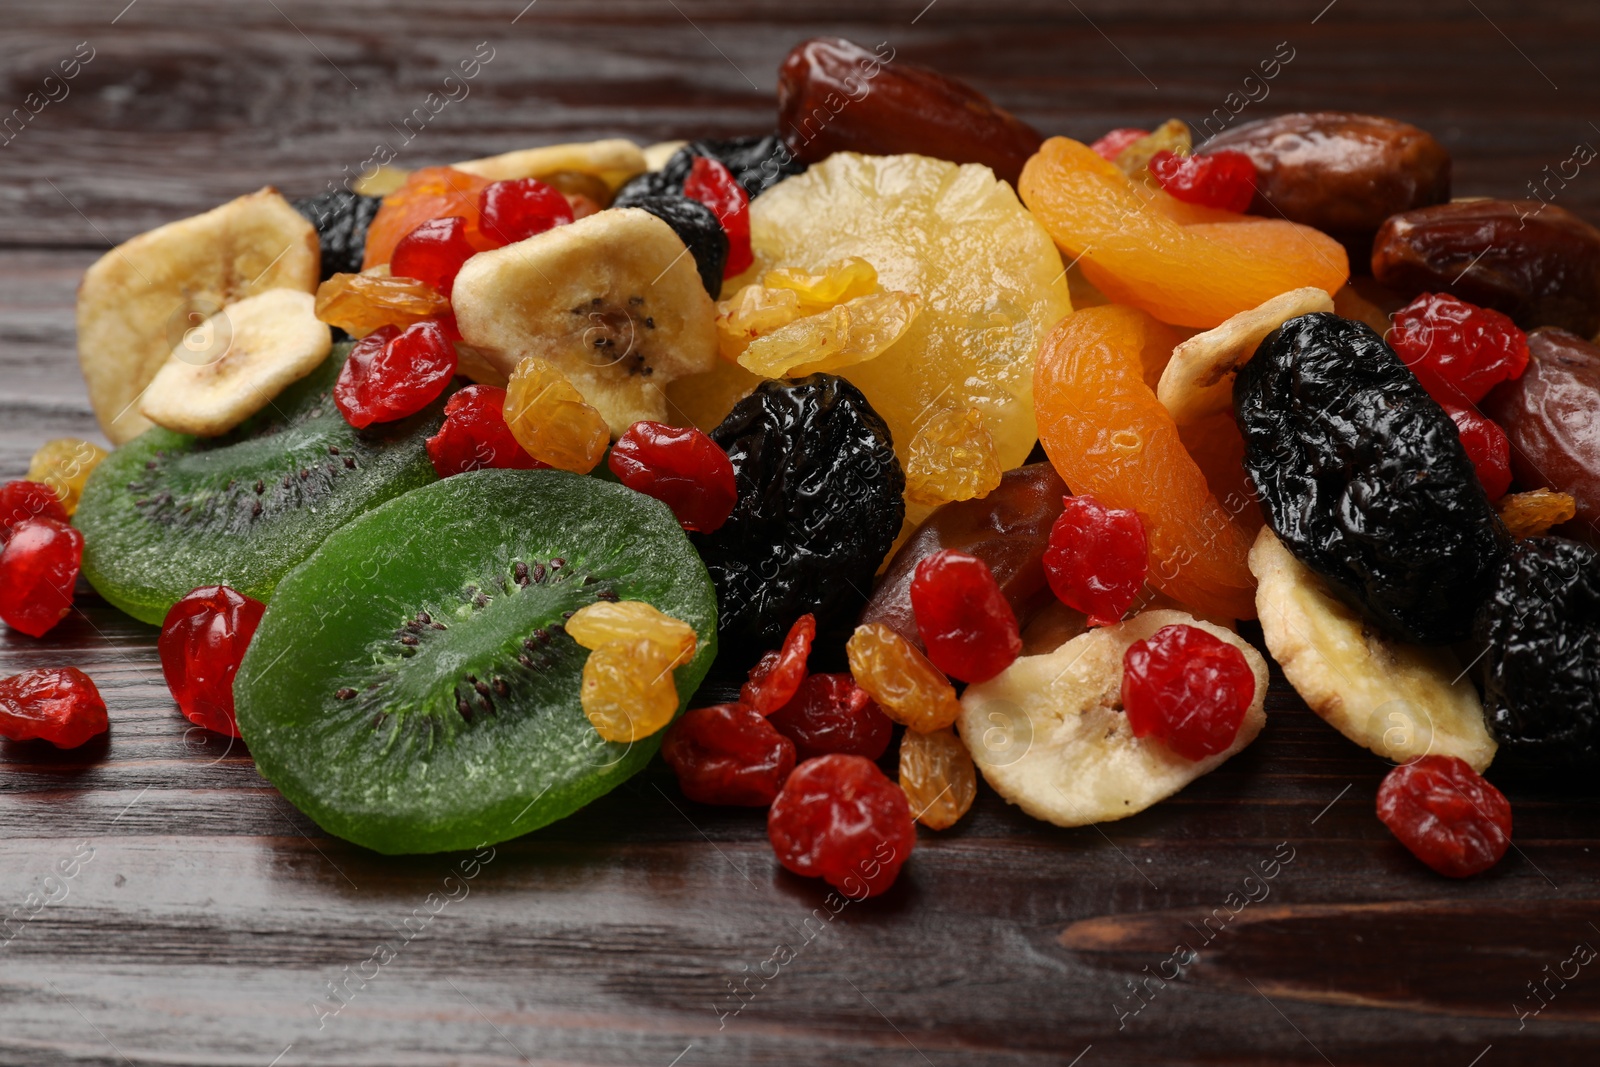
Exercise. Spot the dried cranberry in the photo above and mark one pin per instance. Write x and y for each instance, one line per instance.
(841, 819)
(1187, 689)
(1487, 447)
(475, 435)
(966, 624)
(512, 211)
(1224, 180)
(714, 185)
(728, 754)
(202, 641)
(389, 375)
(682, 468)
(1111, 145)
(1463, 346)
(1446, 814)
(38, 570)
(56, 704)
(831, 713)
(21, 501)
(776, 677)
(433, 253)
(1097, 559)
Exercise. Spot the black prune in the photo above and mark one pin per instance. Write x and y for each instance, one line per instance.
(341, 218)
(820, 504)
(697, 227)
(1541, 673)
(1362, 475)
(758, 162)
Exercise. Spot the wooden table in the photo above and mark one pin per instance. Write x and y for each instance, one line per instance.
(205, 919)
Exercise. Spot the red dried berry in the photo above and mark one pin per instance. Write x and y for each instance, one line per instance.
(682, 468)
(728, 754)
(57, 704)
(512, 211)
(1487, 447)
(841, 819)
(776, 677)
(1223, 180)
(832, 714)
(966, 623)
(714, 185)
(1188, 689)
(1447, 814)
(475, 435)
(21, 501)
(38, 570)
(389, 375)
(1097, 559)
(433, 253)
(203, 639)
(1459, 346)
(1111, 145)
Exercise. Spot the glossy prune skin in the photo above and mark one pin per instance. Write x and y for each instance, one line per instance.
(1009, 530)
(1548, 415)
(757, 162)
(697, 227)
(835, 96)
(820, 503)
(1541, 670)
(341, 219)
(1534, 261)
(1363, 477)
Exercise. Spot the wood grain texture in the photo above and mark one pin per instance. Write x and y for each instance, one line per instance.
(211, 917)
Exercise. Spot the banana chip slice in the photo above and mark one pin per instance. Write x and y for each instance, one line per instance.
(1401, 701)
(1050, 735)
(613, 162)
(1198, 380)
(141, 298)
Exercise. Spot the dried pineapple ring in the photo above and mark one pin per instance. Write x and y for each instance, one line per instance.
(1198, 379)
(613, 161)
(952, 458)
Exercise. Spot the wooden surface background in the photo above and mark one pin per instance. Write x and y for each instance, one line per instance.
(204, 918)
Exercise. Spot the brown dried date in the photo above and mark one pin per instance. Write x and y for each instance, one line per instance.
(1549, 416)
(1536, 262)
(1339, 171)
(835, 96)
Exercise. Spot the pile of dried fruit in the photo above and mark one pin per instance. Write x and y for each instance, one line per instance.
(446, 501)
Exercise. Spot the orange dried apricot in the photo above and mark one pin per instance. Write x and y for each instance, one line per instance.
(429, 193)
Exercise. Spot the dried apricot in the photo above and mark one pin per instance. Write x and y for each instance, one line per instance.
(429, 193)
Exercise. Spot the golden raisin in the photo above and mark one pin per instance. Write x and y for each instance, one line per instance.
(908, 688)
(835, 283)
(64, 464)
(937, 776)
(1528, 514)
(628, 692)
(603, 621)
(360, 303)
(751, 312)
(1171, 136)
(853, 332)
(550, 420)
(952, 457)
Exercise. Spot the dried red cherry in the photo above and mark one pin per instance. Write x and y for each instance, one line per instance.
(831, 713)
(1447, 814)
(512, 211)
(728, 754)
(389, 374)
(967, 627)
(1111, 145)
(202, 640)
(21, 501)
(38, 570)
(1097, 559)
(1465, 347)
(475, 435)
(1486, 446)
(1188, 689)
(679, 466)
(1223, 180)
(56, 704)
(776, 677)
(433, 253)
(713, 185)
(841, 819)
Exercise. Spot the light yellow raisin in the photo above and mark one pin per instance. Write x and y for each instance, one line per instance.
(937, 776)
(360, 303)
(627, 690)
(64, 464)
(952, 457)
(751, 312)
(1531, 514)
(833, 284)
(603, 621)
(908, 688)
(550, 419)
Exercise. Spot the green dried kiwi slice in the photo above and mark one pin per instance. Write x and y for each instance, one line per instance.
(167, 512)
(411, 687)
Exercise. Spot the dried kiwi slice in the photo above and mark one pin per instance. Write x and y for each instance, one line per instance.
(411, 688)
(167, 512)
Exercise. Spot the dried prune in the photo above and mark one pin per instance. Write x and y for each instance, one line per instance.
(697, 227)
(758, 162)
(1363, 476)
(341, 218)
(820, 503)
(1541, 673)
